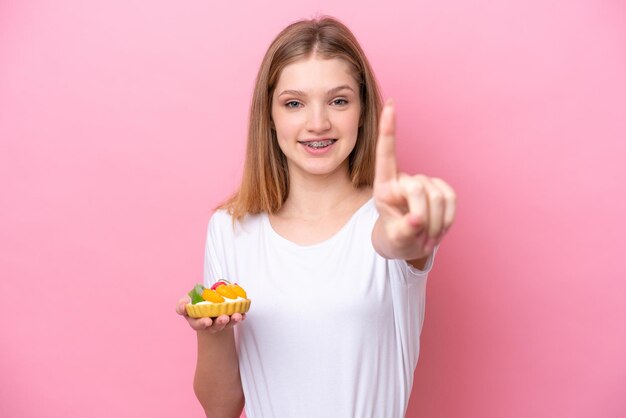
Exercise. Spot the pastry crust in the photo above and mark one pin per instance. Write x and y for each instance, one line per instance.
(202, 310)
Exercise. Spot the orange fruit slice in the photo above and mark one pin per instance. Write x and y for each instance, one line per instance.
(238, 290)
(226, 291)
(212, 296)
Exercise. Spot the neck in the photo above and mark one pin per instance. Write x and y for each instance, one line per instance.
(314, 196)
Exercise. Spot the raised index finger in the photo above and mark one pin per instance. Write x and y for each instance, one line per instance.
(386, 167)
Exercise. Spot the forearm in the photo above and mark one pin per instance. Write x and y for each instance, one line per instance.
(217, 383)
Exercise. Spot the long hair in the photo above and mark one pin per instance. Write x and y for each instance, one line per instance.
(265, 183)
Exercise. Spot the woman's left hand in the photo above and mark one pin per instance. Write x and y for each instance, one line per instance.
(415, 211)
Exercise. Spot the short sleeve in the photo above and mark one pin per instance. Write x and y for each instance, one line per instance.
(214, 261)
(413, 271)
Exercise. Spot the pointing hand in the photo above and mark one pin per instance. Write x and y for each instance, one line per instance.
(415, 211)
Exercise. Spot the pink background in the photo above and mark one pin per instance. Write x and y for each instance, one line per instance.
(122, 124)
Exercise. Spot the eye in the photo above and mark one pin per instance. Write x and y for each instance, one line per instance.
(292, 104)
(340, 102)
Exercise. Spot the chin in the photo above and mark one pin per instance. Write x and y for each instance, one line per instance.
(325, 170)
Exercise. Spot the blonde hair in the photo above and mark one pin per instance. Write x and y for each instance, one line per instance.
(265, 183)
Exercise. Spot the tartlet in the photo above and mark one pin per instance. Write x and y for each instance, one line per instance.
(223, 298)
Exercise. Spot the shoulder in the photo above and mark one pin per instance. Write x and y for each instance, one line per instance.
(220, 218)
(221, 224)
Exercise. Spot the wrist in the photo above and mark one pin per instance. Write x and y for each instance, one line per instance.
(212, 335)
(405, 249)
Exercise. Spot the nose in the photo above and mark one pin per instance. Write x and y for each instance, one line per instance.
(318, 120)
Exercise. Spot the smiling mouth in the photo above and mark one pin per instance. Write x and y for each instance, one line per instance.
(318, 144)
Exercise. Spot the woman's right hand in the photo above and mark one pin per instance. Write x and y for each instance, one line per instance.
(212, 325)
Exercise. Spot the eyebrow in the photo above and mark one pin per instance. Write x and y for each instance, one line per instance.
(331, 91)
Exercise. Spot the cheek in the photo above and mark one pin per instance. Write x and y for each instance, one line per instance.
(351, 121)
(284, 131)
(287, 125)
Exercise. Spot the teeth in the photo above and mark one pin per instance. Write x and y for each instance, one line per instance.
(320, 144)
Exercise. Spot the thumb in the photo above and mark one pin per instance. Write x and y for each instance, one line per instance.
(180, 306)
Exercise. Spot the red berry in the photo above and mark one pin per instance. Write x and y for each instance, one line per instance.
(218, 283)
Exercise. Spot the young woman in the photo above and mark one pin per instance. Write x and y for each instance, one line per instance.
(331, 243)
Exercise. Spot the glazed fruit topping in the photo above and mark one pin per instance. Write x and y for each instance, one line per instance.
(226, 291)
(212, 296)
(216, 294)
(238, 290)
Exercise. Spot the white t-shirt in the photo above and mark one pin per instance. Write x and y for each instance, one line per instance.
(333, 328)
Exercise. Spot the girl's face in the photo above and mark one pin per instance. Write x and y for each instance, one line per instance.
(315, 111)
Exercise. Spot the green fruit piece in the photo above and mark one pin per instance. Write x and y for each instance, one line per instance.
(196, 294)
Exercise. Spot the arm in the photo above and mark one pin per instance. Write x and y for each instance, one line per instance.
(415, 212)
(217, 383)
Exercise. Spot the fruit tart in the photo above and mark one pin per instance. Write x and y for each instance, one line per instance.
(223, 298)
